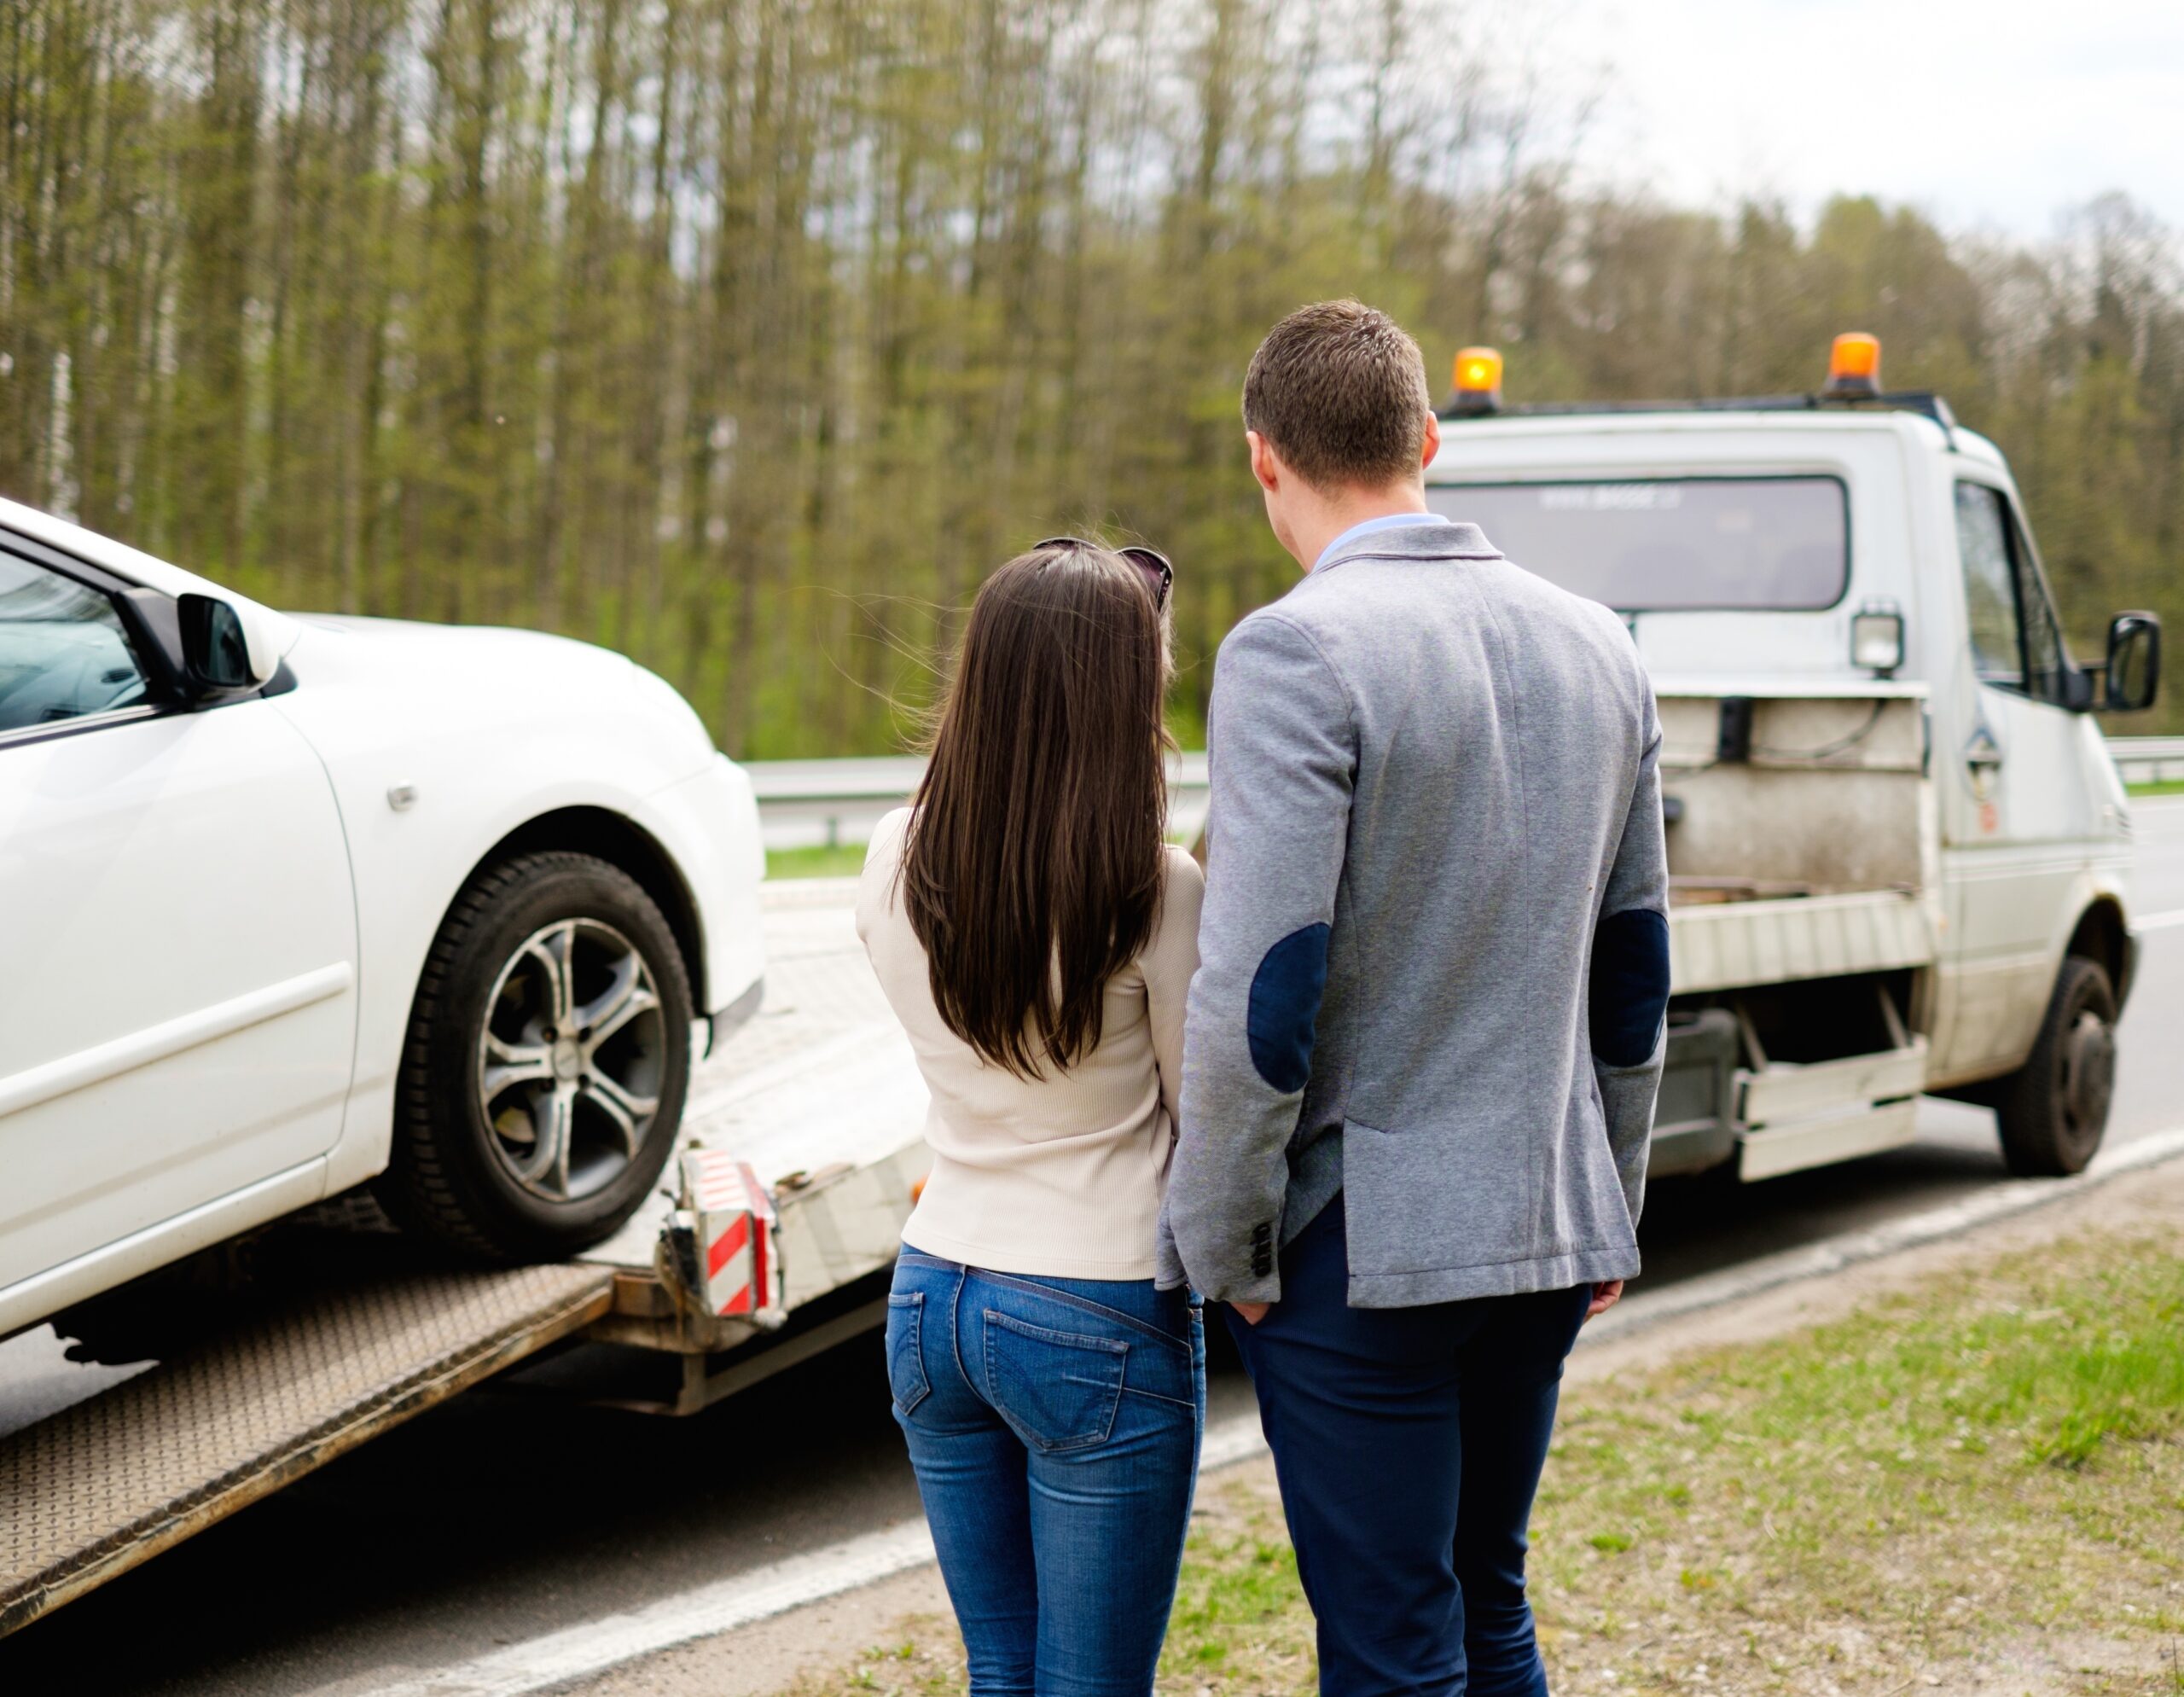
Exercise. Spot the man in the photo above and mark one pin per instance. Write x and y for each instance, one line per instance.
(1422, 1049)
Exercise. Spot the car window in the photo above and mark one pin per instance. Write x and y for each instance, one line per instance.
(63, 652)
(1983, 541)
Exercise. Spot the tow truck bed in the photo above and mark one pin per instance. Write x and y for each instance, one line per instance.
(819, 1092)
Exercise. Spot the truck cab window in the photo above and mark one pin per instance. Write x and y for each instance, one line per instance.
(2017, 641)
(63, 654)
(2046, 660)
(1983, 541)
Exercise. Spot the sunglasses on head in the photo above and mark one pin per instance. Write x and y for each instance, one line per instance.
(1158, 573)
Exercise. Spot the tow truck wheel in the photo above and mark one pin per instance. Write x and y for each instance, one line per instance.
(548, 1056)
(2053, 1111)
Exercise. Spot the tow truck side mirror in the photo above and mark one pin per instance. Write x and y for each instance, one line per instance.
(2133, 671)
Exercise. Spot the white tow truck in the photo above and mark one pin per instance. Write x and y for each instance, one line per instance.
(1900, 854)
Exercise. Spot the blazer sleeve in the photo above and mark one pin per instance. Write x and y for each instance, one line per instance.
(1282, 742)
(1628, 991)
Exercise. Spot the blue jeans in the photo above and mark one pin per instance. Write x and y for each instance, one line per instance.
(1053, 1425)
(1409, 1443)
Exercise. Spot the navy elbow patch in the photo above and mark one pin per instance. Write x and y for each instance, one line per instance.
(1285, 1005)
(1630, 984)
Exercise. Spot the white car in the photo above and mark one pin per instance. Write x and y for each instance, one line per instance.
(293, 903)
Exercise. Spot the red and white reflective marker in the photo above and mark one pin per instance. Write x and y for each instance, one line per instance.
(736, 1231)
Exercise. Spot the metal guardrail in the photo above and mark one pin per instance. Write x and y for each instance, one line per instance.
(814, 804)
(808, 804)
(2149, 759)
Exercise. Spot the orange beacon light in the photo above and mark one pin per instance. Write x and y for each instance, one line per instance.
(1479, 381)
(1853, 367)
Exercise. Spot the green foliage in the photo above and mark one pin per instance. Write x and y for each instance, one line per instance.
(746, 336)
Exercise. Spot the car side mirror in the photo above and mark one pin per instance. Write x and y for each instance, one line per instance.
(2133, 671)
(215, 648)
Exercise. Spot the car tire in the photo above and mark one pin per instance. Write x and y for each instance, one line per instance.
(517, 1138)
(2053, 1111)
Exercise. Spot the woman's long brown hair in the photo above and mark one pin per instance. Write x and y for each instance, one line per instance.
(1033, 870)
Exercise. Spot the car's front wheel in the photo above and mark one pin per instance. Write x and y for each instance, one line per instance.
(548, 1055)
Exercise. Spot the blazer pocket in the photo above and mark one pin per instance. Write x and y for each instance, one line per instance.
(905, 1350)
(1057, 1390)
(1429, 1197)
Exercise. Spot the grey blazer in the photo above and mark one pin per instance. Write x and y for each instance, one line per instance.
(1434, 954)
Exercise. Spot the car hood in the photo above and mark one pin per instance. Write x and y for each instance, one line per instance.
(434, 638)
(475, 676)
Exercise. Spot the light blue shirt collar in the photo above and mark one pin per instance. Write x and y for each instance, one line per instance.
(1386, 521)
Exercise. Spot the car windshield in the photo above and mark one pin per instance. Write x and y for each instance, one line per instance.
(1772, 543)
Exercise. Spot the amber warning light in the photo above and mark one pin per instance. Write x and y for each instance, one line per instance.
(1854, 366)
(1479, 381)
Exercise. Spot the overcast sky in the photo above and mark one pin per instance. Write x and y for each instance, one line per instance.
(1990, 116)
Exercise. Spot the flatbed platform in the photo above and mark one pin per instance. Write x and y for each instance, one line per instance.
(91, 1491)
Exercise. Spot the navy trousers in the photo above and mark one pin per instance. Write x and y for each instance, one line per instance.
(1409, 1443)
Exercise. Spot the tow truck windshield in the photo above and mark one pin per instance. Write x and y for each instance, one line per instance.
(1671, 545)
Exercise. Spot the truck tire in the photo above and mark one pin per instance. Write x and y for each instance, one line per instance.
(2052, 1110)
(547, 1060)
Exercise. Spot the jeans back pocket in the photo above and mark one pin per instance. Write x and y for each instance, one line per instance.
(1056, 1389)
(905, 1353)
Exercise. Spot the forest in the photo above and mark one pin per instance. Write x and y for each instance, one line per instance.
(745, 335)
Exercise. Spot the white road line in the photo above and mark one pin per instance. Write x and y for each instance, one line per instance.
(577, 1652)
(2161, 921)
(1237, 1438)
(1815, 1260)
(581, 1652)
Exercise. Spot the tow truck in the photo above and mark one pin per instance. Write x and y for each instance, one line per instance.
(1900, 854)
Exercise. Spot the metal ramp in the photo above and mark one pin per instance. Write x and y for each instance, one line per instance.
(91, 1491)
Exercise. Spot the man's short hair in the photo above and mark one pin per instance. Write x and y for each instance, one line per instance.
(1339, 392)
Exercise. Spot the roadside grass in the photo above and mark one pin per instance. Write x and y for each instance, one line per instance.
(1977, 1488)
(2167, 787)
(841, 860)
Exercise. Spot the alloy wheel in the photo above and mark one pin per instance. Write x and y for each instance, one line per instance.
(571, 1061)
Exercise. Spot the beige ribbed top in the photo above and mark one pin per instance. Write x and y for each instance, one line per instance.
(1060, 1175)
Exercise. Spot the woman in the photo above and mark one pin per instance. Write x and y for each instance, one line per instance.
(1036, 937)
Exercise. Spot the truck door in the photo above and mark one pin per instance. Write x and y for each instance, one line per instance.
(2018, 808)
(178, 1014)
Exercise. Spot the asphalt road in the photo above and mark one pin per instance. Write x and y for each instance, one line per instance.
(503, 1515)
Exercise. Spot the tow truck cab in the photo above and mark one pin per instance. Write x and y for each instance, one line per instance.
(1900, 854)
